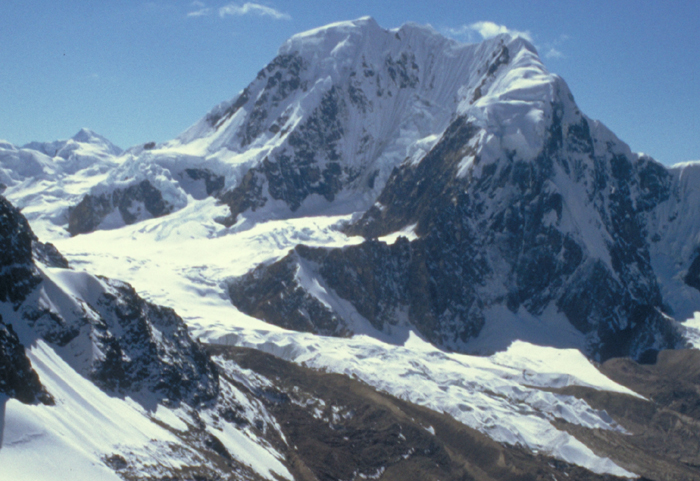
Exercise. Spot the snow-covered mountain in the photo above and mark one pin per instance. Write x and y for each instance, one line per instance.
(529, 214)
(416, 198)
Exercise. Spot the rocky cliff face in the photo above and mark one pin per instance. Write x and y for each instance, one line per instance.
(133, 203)
(17, 378)
(134, 345)
(18, 276)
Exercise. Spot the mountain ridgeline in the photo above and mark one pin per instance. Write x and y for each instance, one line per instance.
(522, 217)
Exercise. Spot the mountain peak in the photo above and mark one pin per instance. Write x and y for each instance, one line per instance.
(87, 135)
(366, 23)
(64, 148)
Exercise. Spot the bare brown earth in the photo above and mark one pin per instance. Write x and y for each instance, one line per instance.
(340, 428)
(664, 429)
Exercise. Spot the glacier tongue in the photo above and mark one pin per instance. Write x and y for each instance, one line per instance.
(499, 396)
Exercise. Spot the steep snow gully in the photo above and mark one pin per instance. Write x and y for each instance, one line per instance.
(438, 222)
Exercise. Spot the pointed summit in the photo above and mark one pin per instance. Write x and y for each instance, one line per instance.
(81, 140)
(88, 136)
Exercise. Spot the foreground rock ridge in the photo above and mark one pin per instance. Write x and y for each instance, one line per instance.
(134, 345)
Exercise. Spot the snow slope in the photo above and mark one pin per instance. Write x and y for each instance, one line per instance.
(88, 432)
(500, 395)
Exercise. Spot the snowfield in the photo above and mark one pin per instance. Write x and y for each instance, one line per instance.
(504, 395)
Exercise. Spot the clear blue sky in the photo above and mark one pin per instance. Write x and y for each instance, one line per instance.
(136, 71)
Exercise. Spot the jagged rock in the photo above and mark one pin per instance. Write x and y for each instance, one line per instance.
(48, 254)
(133, 203)
(275, 293)
(17, 378)
(148, 346)
(310, 165)
(212, 183)
(18, 275)
(502, 238)
(141, 346)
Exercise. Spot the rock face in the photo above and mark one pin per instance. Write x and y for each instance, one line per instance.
(18, 276)
(277, 294)
(148, 346)
(17, 378)
(133, 203)
(136, 346)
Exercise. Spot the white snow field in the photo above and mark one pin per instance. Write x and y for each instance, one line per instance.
(498, 395)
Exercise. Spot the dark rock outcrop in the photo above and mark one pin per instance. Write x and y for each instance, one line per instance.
(17, 378)
(92, 210)
(142, 346)
(310, 164)
(18, 276)
(692, 276)
(148, 346)
(213, 183)
(275, 293)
